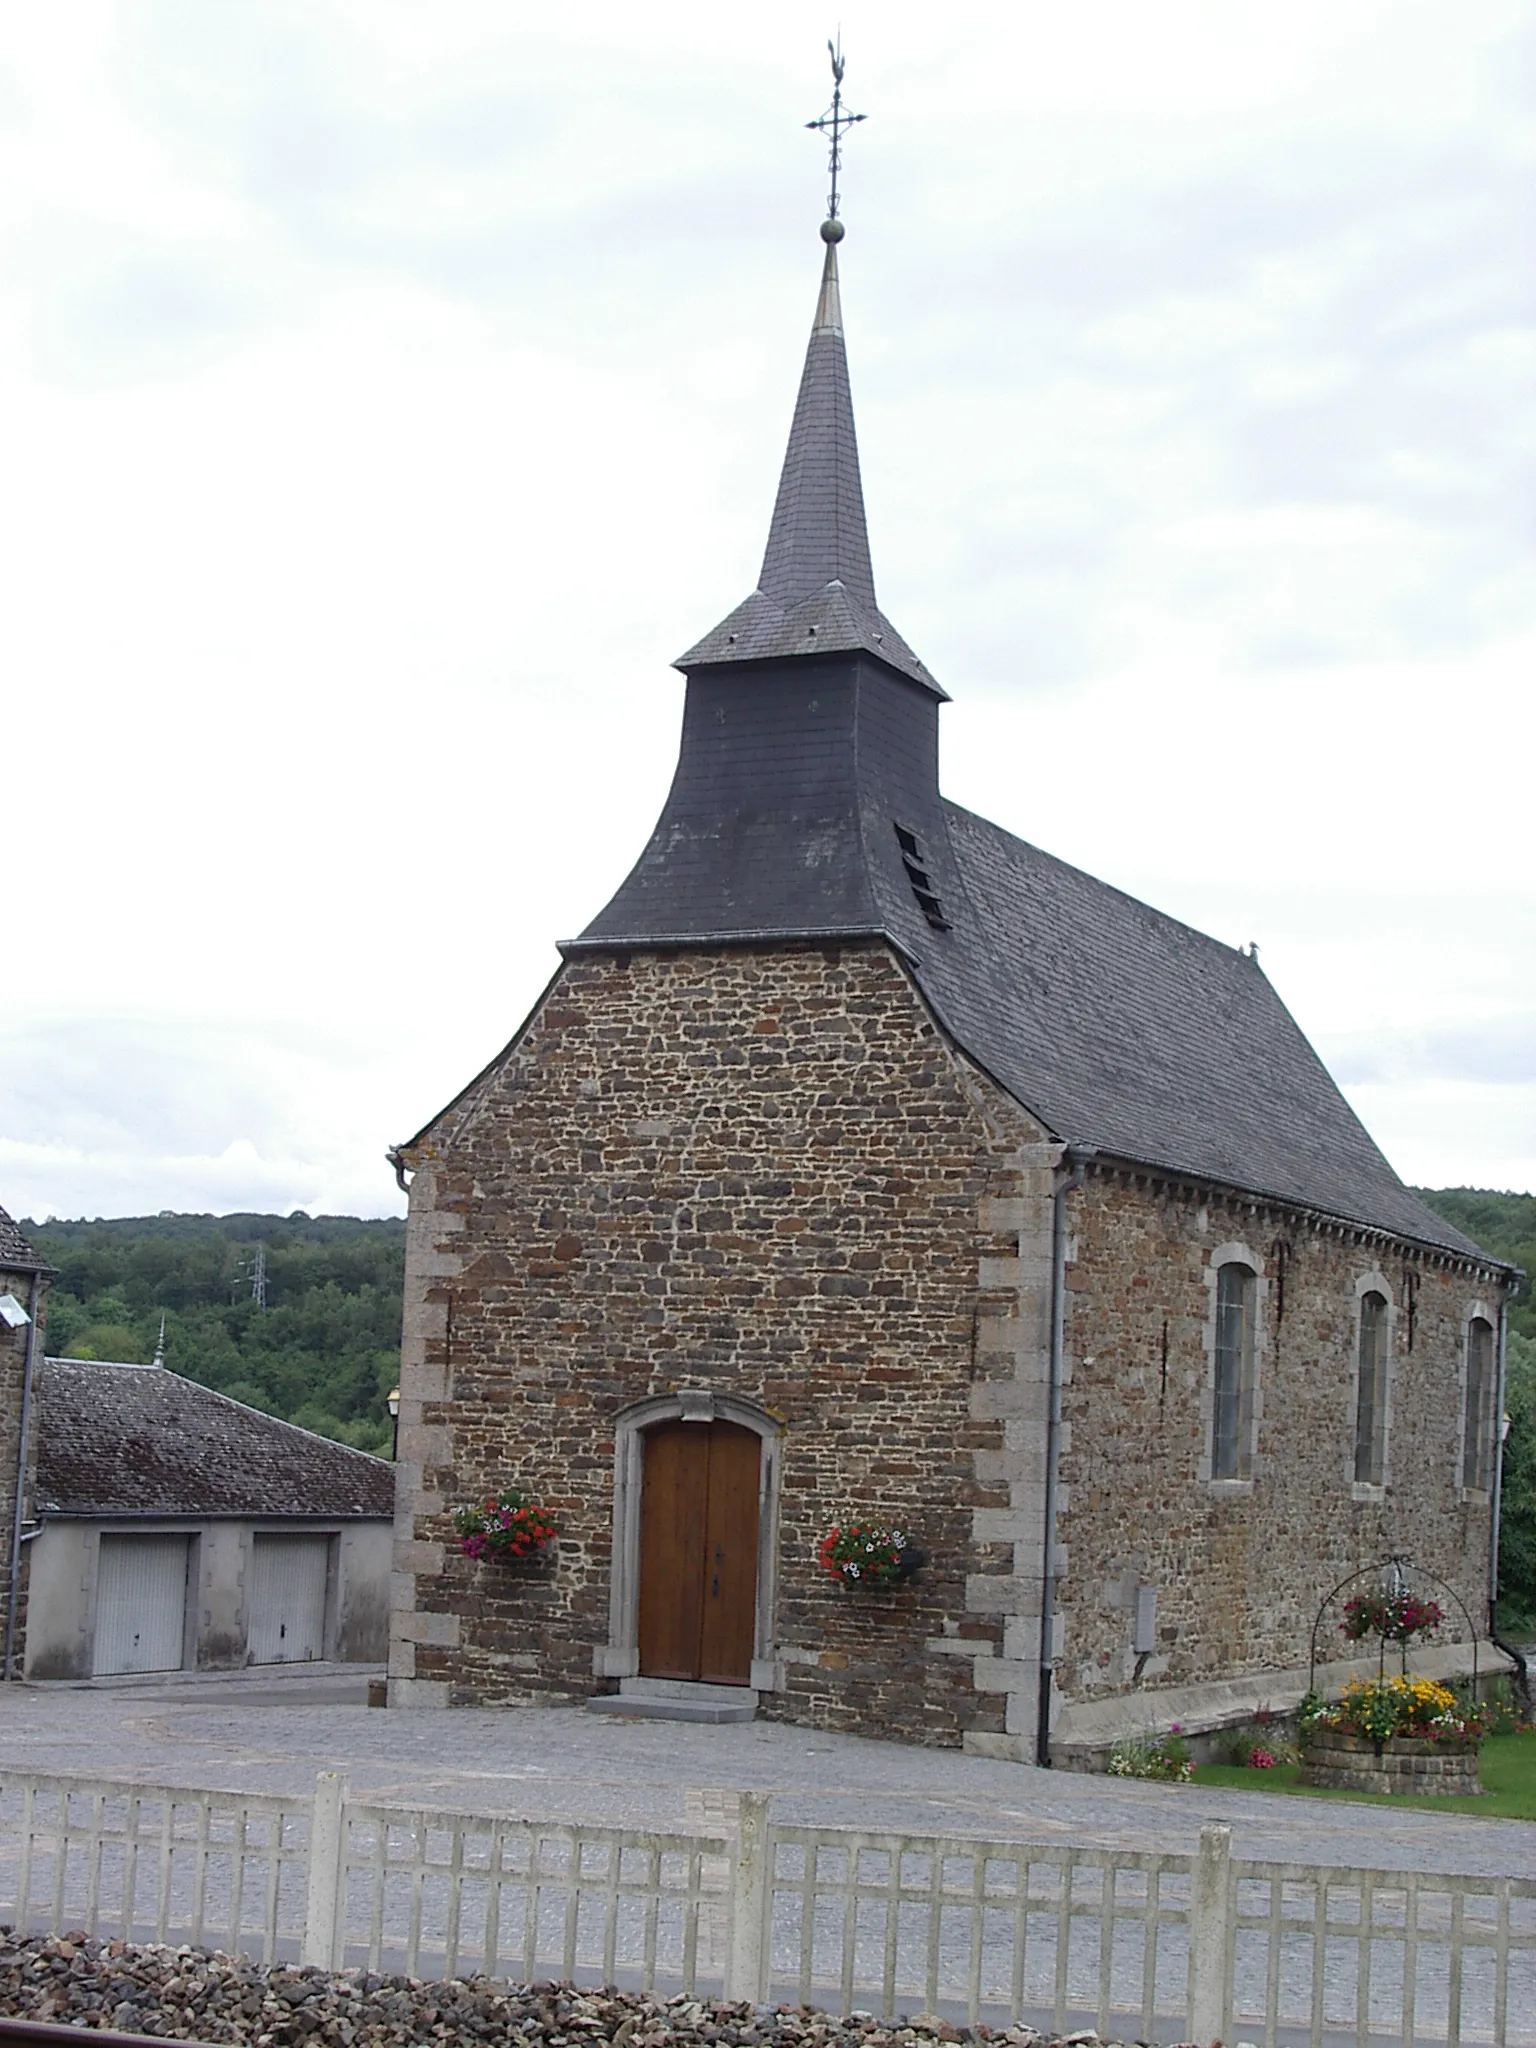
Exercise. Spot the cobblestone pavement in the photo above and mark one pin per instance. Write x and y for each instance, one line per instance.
(272, 1731)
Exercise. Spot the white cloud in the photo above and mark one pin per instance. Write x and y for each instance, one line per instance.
(394, 391)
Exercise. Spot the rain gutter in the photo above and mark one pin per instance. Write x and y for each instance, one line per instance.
(1076, 1159)
(1501, 1381)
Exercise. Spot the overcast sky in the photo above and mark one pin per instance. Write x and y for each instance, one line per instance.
(390, 391)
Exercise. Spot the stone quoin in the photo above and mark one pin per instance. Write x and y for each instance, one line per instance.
(863, 1162)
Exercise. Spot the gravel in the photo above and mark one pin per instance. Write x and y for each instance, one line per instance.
(185, 1994)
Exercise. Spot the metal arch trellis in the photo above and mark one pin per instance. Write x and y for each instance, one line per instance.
(1390, 1571)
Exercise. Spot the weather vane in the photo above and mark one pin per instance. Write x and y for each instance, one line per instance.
(834, 122)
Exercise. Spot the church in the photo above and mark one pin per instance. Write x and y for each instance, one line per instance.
(864, 1165)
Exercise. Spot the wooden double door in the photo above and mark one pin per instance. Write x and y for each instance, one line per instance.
(698, 1552)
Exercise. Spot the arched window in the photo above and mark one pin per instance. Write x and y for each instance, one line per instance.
(1477, 1433)
(1232, 1405)
(1371, 1392)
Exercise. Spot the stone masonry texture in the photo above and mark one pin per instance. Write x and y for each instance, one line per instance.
(767, 1173)
(1239, 1571)
(13, 1360)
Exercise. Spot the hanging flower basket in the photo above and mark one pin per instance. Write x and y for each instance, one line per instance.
(509, 1525)
(1395, 1615)
(869, 1554)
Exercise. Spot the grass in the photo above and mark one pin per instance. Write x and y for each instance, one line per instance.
(1506, 1765)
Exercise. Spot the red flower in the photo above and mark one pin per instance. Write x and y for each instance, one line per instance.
(506, 1526)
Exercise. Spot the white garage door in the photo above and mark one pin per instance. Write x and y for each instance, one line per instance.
(287, 1606)
(141, 1603)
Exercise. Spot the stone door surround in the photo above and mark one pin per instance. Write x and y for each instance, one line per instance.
(619, 1657)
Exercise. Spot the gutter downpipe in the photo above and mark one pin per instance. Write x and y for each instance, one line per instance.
(34, 1293)
(1076, 1160)
(1523, 1676)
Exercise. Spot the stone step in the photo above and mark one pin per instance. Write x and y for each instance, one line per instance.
(685, 1689)
(671, 1699)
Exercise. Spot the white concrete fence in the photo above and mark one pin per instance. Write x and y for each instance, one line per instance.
(1170, 1947)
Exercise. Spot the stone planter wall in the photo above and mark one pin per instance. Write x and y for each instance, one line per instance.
(1407, 1764)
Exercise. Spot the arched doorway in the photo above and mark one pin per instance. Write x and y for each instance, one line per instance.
(699, 1551)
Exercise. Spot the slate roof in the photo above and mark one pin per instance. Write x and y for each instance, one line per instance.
(1131, 1033)
(141, 1440)
(1120, 1029)
(16, 1255)
(816, 592)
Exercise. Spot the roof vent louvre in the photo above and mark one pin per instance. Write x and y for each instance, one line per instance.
(915, 861)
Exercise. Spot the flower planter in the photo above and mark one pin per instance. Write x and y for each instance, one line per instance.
(506, 1529)
(908, 1565)
(869, 1556)
(1403, 1763)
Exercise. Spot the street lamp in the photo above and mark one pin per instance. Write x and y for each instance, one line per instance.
(392, 1402)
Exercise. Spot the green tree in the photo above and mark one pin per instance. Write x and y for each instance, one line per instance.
(323, 1351)
(1505, 1226)
(1517, 1518)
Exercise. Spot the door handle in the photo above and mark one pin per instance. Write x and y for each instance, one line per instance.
(715, 1586)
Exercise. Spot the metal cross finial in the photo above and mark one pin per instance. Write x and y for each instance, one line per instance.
(834, 122)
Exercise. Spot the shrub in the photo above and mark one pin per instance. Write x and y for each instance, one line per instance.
(1151, 1756)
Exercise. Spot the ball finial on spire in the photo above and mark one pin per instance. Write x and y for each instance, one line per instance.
(832, 229)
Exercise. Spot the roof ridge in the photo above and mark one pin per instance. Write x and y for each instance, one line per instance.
(217, 1394)
(1345, 1175)
(17, 1253)
(1112, 888)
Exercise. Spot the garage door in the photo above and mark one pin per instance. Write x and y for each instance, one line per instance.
(141, 1603)
(287, 1605)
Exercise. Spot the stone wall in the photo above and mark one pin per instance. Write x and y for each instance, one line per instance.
(1239, 1567)
(1406, 1765)
(13, 1357)
(767, 1175)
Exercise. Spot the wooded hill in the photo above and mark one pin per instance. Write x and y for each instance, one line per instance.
(1506, 1226)
(324, 1350)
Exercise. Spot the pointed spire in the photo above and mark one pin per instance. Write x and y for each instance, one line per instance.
(816, 592)
(159, 1357)
(818, 535)
(829, 307)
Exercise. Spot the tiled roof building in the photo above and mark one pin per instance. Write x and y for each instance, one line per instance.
(140, 1440)
(178, 1529)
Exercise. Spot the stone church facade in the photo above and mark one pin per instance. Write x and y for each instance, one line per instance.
(864, 1163)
